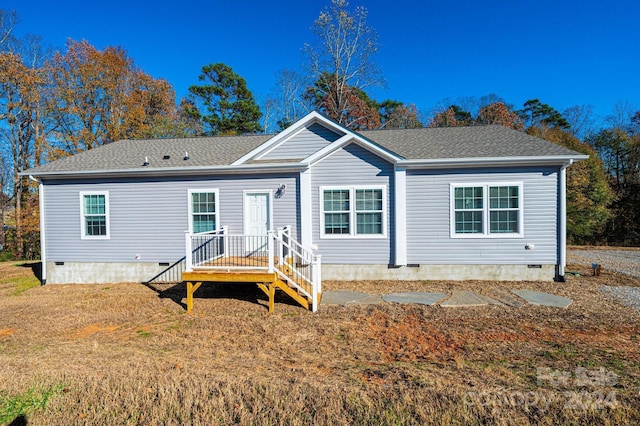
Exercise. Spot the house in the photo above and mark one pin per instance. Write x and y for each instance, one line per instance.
(479, 202)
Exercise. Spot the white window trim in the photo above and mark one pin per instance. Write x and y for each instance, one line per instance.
(485, 208)
(190, 204)
(83, 228)
(352, 212)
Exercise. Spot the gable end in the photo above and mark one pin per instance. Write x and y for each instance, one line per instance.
(302, 144)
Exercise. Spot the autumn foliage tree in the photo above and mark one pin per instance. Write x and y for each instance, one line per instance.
(494, 113)
(342, 62)
(589, 194)
(21, 114)
(101, 96)
(326, 94)
(620, 150)
(501, 114)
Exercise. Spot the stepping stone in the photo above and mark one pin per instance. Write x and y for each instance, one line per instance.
(506, 297)
(467, 298)
(372, 299)
(414, 297)
(342, 297)
(544, 299)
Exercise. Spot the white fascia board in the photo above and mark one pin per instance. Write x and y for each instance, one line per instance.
(281, 137)
(172, 171)
(345, 140)
(491, 161)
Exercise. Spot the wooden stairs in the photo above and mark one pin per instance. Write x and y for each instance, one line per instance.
(268, 282)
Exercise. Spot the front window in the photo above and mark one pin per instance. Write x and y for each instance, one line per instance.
(504, 209)
(469, 209)
(337, 211)
(486, 210)
(353, 211)
(369, 211)
(203, 209)
(95, 215)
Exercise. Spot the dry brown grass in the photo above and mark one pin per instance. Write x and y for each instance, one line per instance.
(128, 354)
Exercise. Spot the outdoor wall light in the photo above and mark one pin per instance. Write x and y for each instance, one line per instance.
(280, 191)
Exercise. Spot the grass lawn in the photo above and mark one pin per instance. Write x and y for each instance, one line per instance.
(128, 354)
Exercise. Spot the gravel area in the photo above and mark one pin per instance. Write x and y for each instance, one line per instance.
(629, 296)
(622, 261)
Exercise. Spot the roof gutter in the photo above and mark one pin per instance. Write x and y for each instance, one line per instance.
(441, 163)
(170, 171)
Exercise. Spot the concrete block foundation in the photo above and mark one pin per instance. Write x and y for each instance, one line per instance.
(105, 273)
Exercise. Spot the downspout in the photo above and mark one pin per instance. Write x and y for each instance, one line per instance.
(562, 222)
(43, 257)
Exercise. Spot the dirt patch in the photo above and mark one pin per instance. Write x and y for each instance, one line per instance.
(410, 338)
(93, 329)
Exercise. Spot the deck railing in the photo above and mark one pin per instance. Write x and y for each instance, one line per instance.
(300, 264)
(275, 252)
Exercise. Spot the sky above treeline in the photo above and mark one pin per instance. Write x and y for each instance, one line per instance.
(564, 52)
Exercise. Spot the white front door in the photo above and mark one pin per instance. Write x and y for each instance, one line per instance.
(257, 218)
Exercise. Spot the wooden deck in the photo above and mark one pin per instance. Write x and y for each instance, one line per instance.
(234, 269)
(228, 276)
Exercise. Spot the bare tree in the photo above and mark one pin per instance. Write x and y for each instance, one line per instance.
(286, 104)
(621, 116)
(345, 51)
(581, 120)
(4, 197)
(8, 22)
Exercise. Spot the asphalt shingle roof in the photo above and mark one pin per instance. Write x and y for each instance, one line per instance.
(463, 142)
(411, 144)
(131, 154)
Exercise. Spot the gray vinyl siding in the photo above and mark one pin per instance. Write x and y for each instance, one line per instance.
(353, 166)
(150, 217)
(303, 144)
(428, 219)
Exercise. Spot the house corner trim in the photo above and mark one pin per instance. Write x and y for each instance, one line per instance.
(306, 212)
(400, 180)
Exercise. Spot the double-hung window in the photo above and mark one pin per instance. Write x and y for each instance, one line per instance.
(94, 213)
(487, 210)
(203, 210)
(358, 211)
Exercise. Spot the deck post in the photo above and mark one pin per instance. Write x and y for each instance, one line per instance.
(191, 288)
(280, 246)
(270, 253)
(188, 259)
(225, 231)
(317, 281)
(287, 233)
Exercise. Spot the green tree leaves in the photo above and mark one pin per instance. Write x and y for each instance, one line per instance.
(223, 104)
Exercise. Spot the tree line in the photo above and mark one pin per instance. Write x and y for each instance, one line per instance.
(58, 103)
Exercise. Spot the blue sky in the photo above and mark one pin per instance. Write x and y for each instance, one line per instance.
(563, 52)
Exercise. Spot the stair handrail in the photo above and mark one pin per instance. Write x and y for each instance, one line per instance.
(291, 246)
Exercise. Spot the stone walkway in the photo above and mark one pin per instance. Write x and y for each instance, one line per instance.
(514, 298)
